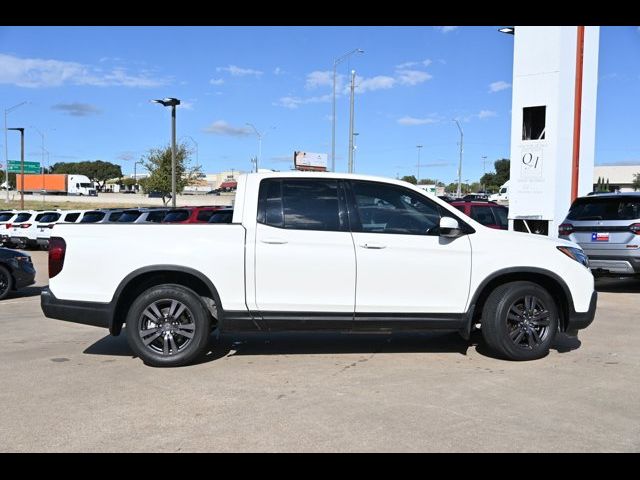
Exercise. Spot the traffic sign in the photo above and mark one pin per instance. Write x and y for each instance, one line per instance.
(29, 167)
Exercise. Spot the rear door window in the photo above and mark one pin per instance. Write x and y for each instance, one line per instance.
(49, 217)
(5, 217)
(22, 217)
(71, 217)
(205, 215)
(156, 216)
(501, 215)
(129, 216)
(92, 217)
(585, 209)
(176, 216)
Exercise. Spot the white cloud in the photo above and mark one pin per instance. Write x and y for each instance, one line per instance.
(77, 109)
(412, 77)
(379, 82)
(278, 71)
(236, 71)
(220, 127)
(216, 81)
(292, 103)
(320, 78)
(486, 114)
(37, 72)
(423, 63)
(447, 29)
(499, 85)
(412, 121)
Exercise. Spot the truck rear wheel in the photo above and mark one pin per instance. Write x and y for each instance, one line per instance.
(168, 326)
(519, 321)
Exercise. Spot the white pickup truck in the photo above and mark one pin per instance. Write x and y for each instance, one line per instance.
(319, 251)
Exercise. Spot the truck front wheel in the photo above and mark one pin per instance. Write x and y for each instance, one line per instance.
(519, 321)
(168, 326)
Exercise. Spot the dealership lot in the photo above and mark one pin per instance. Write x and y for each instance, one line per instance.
(69, 387)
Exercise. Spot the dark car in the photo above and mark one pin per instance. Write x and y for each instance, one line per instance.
(489, 214)
(16, 271)
(470, 197)
(222, 216)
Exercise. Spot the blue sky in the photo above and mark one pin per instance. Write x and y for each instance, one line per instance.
(89, 89)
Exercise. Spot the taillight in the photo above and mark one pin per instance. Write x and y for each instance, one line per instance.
(565, 229)
(9, 225)
(57, 249)
(635, 228)
(25, 225)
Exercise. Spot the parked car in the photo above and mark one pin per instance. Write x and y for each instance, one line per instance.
(6, 217)
(190, 215)
(43, 228)
(16, 271)
(24, 228)
(607, 227)
(475, 196)
(288, 262)
(222, 216)
(446, 198)
(143, 215)
(489, 214)
(503, 194)
(102, 216)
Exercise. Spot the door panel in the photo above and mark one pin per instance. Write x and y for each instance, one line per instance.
(403, 265)
(304, 254)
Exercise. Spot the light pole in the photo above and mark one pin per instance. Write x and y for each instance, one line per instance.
(355, 147)
(484, 169)
(336, 62)
(135, 175)
(21, 130)
(173, 103)
(460, 162)
(419, 147)
(351, 119)
(6, 146)
(259, 135)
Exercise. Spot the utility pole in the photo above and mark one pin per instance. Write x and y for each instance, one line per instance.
(419, 147)
(460, 162)
(353, 84)
(6, 146)
(484, 169)
(21, 130)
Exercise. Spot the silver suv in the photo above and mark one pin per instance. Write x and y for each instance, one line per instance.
(607, 227)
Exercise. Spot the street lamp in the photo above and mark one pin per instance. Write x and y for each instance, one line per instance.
(135, 175)
(173, 103)
(419, 147)
(333, 120)
(21, 130)
(460, 162)
(351, 119)
(6, 146)
(260, 136)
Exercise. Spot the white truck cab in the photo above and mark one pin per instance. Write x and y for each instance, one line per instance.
(502, 197)
(81, 185)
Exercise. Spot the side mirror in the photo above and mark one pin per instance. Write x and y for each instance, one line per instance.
(449, 227)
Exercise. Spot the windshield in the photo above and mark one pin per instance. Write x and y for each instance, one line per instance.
(22, 217)
(594, 208)
(130, 216)
(50, 217)
(86, 185)
(92, 217)
(176, 216)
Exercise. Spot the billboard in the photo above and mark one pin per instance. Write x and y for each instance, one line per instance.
(310, 161)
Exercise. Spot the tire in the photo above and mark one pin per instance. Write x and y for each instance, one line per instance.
(173, 341)
(6, 282)
(519, 321)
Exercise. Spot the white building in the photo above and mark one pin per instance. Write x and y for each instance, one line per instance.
(555, 77)
(620, 177)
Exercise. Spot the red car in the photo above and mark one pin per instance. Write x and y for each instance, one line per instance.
(190, 214)
(489, 214)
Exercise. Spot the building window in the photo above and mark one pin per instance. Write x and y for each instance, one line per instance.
(533, 123)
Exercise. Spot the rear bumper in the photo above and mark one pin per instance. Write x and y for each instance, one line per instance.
(43, 242)
(86, 313)
(617, 264)
(579, 320)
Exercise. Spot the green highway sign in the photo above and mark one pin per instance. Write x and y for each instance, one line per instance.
(29, 167)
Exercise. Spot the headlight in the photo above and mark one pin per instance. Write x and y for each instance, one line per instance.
(576, 254)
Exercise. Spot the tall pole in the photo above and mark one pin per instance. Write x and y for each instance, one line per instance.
(351, 119)
(419, 147)
(484, 170)
(22, 169)
(6, 146)
(460, 161)
(173, 156)
(355, 148)
(333, 119)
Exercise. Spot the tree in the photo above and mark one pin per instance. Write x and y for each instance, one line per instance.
(636, 181)
(410, 179)
(426, 181)
(158, 163)
(98, 171)
(493, 181)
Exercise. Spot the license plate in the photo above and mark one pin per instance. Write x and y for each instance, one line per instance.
(600, 237)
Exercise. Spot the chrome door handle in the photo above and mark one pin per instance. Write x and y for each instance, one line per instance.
(274, 241)
(373, 246)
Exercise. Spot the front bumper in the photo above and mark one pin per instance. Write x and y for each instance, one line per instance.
(87, 313)
(24, 275)
(579, 320)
